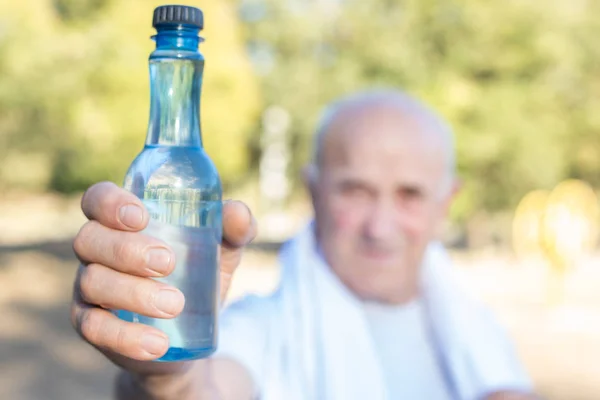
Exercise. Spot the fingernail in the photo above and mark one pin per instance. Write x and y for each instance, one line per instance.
(158, 260)
(154, 344)
(168, 301)
(131, 215)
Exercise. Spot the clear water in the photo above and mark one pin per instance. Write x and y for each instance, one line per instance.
(183, 197)
(192, 334)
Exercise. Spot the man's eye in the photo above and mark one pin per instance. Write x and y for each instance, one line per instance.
(353, 190)
(410, 193)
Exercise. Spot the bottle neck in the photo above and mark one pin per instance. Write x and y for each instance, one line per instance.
(176, 68)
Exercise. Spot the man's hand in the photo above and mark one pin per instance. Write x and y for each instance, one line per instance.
(117, 262)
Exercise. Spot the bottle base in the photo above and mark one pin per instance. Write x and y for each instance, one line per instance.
(175, 354)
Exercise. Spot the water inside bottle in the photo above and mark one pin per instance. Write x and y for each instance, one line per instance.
(193, 333)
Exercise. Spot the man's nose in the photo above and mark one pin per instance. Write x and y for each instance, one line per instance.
(380, 223)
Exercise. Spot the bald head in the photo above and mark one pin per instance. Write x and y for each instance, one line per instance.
(411, 120)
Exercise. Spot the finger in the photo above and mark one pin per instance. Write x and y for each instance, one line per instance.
(239, 229)
(105, 331)
(239, 225)
(129, 252)
(111, 289)
(114, 207)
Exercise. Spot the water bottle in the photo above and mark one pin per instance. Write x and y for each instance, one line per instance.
(179, 184)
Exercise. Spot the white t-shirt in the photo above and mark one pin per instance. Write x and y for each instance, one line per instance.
(400, 336)
(404, 346)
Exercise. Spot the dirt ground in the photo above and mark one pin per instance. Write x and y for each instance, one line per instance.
(42, 358)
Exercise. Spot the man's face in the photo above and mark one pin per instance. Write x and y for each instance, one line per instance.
(379, 200)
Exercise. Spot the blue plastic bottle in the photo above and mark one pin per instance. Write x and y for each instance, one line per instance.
(179, 184)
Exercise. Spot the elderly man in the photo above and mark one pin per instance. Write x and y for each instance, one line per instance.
(366, 308)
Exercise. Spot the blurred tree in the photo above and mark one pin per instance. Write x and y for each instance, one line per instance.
(519, 82)
(78, 11)
(74, 92)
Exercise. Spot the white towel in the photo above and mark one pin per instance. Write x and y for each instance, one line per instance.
(319, 346)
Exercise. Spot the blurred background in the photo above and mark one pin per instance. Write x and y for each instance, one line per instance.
(519, 81)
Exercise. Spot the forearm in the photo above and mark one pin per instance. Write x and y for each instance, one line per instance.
(133, 387)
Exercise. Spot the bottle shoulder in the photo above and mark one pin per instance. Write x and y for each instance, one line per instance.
(175, 168)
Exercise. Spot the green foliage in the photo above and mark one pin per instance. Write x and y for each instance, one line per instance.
(78, 10)
(519, 82)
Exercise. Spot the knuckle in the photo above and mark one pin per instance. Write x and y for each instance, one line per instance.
(91, 276)
(90, 324)
(121, 339)
(141, 294)
(125, 252)
(89, 228)
(78, 244)
(81, 240)
(74, 315)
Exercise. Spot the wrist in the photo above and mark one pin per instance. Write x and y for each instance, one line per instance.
(177, 383)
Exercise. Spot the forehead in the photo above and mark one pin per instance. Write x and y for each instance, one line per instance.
(383, 143)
